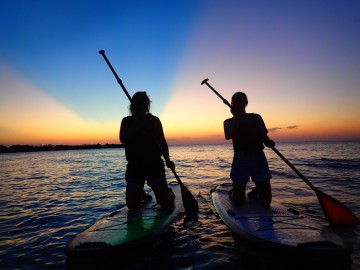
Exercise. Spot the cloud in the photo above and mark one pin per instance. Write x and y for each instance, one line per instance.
(278, 128)
(274, 129)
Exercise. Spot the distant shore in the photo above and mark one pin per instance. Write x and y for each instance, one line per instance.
(50, 147)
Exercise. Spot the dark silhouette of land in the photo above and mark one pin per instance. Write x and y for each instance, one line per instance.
(50, 147)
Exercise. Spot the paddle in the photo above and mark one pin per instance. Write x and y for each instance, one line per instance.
(190, 204)
(334, 210)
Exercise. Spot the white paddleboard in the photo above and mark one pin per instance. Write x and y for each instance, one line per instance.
(276, 228)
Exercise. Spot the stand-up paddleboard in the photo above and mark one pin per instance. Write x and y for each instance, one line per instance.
(126, 229)
(276, 228)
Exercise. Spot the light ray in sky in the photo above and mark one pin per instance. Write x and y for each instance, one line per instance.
(298, 62)
(30, 116)
(280, 65)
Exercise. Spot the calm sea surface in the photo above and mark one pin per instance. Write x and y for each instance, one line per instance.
(46, 198)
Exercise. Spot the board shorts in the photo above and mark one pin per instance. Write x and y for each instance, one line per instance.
(148, 170)
(250, 164)
(152, 172)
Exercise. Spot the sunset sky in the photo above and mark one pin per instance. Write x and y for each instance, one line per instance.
(298, 62)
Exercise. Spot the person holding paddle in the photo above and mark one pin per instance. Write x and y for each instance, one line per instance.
(144, 140)
(248, 133)
(335, 211)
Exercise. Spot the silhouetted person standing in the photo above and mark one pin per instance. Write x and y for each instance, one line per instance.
(142, 134)
(248, 133)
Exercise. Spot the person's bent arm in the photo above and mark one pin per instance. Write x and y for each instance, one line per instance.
(228, 128)
(265, 139)
(160, 137)
(269, 143)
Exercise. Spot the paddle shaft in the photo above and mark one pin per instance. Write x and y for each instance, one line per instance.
(347, 215)
(189, 201)
(294, 169)
(166, 156)
(102, 52)
(216, 92)
(273, 148)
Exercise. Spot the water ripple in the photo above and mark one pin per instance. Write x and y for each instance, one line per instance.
(47, 198)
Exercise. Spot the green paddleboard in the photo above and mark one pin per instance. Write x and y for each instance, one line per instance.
(126, 229)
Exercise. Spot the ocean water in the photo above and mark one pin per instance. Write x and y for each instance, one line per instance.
(46, 198)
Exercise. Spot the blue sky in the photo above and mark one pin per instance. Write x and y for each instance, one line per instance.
(298, 61)
(55, 44)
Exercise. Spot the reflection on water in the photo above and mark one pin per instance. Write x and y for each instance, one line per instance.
(46, 198)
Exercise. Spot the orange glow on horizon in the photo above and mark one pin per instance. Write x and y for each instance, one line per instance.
(29, 116)
(193, 115)
(98, 133)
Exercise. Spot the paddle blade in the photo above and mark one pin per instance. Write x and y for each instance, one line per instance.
(335, 211)
(190, 204)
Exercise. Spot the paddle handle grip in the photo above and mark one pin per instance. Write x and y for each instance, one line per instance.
(216, 92)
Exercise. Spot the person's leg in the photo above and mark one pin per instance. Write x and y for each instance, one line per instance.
(238, 192)
(264, 192)
(163, 196)
(261, 178)
(134, 193)
(145, 197)
(239, 176)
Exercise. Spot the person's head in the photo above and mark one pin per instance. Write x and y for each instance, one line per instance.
(239, 99)
(140, 103)
(239, 102)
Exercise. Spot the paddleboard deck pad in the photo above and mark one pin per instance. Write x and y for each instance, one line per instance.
(126, 229)
(276, 228)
